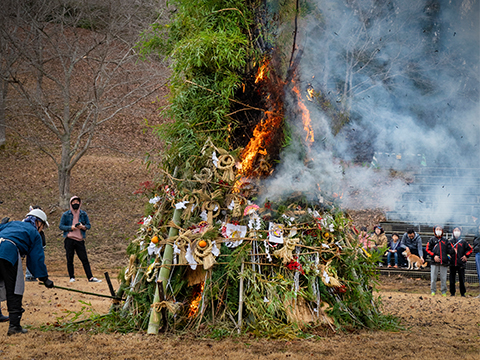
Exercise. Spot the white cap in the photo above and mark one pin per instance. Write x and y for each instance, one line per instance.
(40, 215)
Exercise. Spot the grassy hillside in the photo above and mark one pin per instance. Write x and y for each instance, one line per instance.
(105, 178)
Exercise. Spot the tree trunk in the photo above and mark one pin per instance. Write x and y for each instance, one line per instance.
(3, 91)
(64, 172)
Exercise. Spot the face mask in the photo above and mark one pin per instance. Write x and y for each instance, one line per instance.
(456, 234)
(75, 206)
(438, 232)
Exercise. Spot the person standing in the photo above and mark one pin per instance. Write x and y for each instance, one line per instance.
(28, 274)
(459, 260)
(476, 251)
(74, 224)
(439, 248)
(21, 238)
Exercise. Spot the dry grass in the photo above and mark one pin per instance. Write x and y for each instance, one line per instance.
(436, 326)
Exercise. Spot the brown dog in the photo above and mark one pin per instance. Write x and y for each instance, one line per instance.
(414, 262)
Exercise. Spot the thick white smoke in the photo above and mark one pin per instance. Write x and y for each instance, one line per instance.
(407, 73)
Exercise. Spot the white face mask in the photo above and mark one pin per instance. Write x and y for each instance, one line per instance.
(438, 232)
(456, 234)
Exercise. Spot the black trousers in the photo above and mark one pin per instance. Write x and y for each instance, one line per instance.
(72, 246)
(461, 279)
(8, 273)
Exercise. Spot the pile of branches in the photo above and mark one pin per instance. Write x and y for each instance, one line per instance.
(207, 255)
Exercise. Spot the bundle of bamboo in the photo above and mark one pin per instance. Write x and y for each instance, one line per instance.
(280, 268)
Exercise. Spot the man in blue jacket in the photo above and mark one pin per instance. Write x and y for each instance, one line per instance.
(18, 239)
(74, 223)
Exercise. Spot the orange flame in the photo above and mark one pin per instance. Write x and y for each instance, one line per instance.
(259, 141)
(262, 71)
(195, 304)
(307, 123)
(310, 94)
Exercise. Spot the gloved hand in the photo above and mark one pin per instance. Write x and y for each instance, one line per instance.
(48, 283)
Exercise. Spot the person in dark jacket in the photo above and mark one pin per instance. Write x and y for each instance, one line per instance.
(476, 251)
(21, 238)
(439, 248)
(74, 224)
(414, 242)
(458, 260)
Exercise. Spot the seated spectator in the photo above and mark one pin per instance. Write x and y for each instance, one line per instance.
(393, 247)
(379, 239)
(364, 239)
(414, 242)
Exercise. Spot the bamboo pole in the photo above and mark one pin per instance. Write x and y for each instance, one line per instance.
(164, 274)
(240, 299)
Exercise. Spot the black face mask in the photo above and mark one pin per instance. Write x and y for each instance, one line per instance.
(75, 206)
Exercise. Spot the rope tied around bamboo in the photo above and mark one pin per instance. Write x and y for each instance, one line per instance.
(131, 270)
(171, 306)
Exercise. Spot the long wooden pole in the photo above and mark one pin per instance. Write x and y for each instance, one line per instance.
(164, 274)
(240, 299)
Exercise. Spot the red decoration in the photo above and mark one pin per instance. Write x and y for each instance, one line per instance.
(295, 265)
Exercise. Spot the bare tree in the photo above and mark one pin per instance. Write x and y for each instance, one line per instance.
(78, 69)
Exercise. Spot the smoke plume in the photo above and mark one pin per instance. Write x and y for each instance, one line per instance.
(405, 73)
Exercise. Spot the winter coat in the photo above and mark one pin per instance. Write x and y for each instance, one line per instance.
(476, 243)
(67, 220)
(379, 240)
(415, 243)
(463, 248)
(439, 247)
(26, 241)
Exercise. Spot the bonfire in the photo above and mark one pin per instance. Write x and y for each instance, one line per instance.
(209, 254)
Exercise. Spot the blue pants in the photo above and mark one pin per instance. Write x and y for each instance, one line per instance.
(389, 256)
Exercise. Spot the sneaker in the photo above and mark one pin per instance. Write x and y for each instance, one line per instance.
(395, 266)
(4, 318)
(433, 293)
(30, 278)
(389, 266)
(477, 297)
(444, 294)
(94, 279)
(16, 329)
(380, 264)
(72, 279)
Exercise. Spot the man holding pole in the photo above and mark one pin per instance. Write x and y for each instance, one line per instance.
(21, 238)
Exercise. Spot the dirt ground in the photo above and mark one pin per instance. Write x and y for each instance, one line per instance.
(434, 327)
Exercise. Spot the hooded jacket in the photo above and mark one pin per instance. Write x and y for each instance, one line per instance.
(415, 243)
(463, 248)
(441, 247)
(66, 221)
(379, 240)
(23, 239)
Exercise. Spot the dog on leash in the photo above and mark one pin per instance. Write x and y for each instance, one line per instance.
(414, 262)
